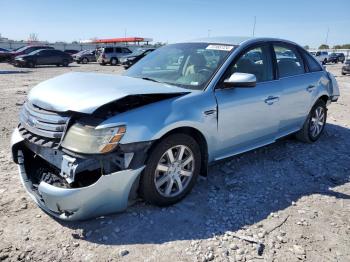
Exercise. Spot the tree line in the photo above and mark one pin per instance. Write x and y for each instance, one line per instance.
(324, 46)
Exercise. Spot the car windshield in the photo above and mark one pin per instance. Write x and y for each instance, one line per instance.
(138, 52)
(188, 65)
(84, 52)
(21, 49)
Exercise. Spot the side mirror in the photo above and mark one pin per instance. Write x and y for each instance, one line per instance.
(240, 80)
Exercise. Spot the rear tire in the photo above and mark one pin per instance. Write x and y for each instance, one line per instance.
(171, 170)
(65, 63)
(85, 60)
(114, 61)
(314, 123)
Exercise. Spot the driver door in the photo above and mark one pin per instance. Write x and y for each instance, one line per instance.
(248, 117)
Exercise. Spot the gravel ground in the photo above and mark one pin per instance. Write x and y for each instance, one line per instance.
(285, 202)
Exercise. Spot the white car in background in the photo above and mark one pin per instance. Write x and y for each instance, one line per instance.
(321, 56)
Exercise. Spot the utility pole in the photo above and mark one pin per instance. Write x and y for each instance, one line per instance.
(125, 36)
(327, 36)
(209, 33)
(254, 26)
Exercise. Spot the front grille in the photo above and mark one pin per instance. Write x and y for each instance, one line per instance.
(42, 127)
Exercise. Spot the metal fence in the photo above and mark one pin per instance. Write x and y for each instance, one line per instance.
(62, 46)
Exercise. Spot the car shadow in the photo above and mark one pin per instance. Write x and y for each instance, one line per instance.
(8, 72)
(240, 191)
(47, 66)
(54, 66)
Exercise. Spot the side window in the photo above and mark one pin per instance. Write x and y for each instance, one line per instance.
(47, 52)
(256, 61)
(313, 65)
(118, 50)
(57, 52)
(109, 50)
(289, 62)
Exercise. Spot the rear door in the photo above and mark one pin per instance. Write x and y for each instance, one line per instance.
(57, 57)
(42, 57)
(249, 117)
(298, 87)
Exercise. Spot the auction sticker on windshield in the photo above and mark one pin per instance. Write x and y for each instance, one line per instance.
(220, 47)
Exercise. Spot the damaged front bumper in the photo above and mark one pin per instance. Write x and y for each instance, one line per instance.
(109, 194)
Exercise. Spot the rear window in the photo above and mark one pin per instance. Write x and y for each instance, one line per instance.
(312, 64)
(126, 51)
(109, 50)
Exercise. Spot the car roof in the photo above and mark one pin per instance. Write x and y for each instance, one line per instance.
(236, 40)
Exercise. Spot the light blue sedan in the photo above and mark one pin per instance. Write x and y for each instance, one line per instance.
(87, 143)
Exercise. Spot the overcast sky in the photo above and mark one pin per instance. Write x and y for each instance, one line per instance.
(305, 22)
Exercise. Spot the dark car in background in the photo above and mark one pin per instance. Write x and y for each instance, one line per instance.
(131, 59)
(44, 57)
(4, 55)
(85, 56)
(27, 50)
(336, 57)
(346, 68)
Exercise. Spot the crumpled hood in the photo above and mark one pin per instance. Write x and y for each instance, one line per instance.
(86, 92)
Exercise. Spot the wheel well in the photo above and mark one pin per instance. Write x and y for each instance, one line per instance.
(324, 98)
(200, 139)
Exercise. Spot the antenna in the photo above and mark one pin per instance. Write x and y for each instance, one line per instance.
(209, 33)
(254, 26)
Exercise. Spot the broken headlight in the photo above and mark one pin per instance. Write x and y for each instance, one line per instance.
(86, 139)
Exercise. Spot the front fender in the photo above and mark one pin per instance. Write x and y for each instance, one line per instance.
(152, 121)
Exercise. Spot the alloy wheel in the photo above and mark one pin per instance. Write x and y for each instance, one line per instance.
(174, 171)
(317, 121)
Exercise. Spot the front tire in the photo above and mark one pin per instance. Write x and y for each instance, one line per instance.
(314, 124)
(171, 170)
(31, 64)
(85, 60)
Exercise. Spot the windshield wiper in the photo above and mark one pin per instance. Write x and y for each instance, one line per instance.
(150, 79)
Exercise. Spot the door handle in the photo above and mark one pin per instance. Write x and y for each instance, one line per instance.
(310, 88)
(210, 112)
(271, 99)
